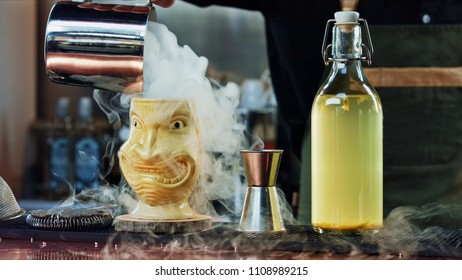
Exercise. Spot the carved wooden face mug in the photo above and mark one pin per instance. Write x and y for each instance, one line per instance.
(160, 158)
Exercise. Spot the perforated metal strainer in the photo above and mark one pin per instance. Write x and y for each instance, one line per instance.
(9, 207)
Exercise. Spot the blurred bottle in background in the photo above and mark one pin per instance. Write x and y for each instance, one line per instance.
(87, 148)
(58, 169)
(258, 107)
(65, 155)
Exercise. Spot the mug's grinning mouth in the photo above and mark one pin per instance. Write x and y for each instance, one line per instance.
(160, 175)
(168, 173)
(179, 167)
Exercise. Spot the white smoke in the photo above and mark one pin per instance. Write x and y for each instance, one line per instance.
(172, 71)
(176, 72)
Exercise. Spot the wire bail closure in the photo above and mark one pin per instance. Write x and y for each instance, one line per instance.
(369, 48)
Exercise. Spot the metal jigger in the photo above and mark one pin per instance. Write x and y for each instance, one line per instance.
(261, 213)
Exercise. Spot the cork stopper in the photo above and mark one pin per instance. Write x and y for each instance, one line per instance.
(346, 17)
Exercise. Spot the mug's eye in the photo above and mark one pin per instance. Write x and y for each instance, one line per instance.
(136, 123)
(177, 124)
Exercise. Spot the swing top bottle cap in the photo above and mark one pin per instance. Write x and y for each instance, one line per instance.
(346, 17)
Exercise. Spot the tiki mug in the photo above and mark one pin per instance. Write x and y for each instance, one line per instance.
(160, 159)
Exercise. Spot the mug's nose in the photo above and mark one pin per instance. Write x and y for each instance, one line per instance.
(147, 148)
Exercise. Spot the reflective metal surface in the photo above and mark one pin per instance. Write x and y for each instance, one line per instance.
(222, 241)
(97, 45)
(261, 166)
(261, 212)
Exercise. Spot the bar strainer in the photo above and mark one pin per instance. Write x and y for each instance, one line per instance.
(9, 207)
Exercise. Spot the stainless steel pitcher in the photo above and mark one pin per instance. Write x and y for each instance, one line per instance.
(97, 45)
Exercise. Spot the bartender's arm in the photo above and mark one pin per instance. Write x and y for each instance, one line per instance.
(255, 5)
(163, 3)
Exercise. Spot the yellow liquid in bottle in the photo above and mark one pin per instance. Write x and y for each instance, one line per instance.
(347, 168)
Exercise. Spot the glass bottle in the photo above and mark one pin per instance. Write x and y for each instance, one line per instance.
(58, 172)
(87, 149)
(347, 137)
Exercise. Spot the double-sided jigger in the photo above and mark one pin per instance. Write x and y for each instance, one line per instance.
(261, 212)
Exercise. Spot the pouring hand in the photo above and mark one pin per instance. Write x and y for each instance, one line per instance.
(163, 3)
